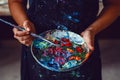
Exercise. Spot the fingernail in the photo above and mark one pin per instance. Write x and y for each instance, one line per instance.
(27, 29)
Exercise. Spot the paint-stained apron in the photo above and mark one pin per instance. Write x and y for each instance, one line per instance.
(76, 15)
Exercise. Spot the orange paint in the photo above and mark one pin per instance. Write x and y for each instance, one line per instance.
(70, 50)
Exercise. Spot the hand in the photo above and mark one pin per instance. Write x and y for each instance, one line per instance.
(88, 36)
(24, 36)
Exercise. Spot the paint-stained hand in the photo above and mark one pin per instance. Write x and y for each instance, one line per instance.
(24, 36)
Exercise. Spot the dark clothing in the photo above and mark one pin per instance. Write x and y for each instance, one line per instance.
(76, 15)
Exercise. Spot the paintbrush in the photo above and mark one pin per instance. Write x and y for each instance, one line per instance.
(32, 34)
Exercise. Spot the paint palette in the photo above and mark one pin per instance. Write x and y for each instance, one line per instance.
(69, 53)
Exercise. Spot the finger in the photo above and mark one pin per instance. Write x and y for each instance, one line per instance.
(89, 40)
(28, 37)
(89, 43)
(90, 46)
(26, 42)
(27, 25)
(20, 33)
(23, 38)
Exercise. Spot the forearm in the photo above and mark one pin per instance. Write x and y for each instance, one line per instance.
(18, 11)
(108, 15)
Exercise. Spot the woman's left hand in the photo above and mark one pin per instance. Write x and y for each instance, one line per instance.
(88, 36)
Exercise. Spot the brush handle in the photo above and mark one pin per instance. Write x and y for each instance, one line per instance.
(12, 25)
(21, 29)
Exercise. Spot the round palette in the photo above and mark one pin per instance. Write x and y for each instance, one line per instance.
(69, 52)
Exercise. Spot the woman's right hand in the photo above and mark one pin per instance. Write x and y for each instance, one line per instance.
(24, 37)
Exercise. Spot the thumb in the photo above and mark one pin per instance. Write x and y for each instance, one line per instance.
(89, 39)
(90, 45)
(26, 25)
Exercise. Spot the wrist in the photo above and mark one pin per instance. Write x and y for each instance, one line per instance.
(92, 31)
(20, 20)
(24, 21)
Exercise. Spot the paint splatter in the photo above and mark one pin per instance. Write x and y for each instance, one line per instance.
(69, 54)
